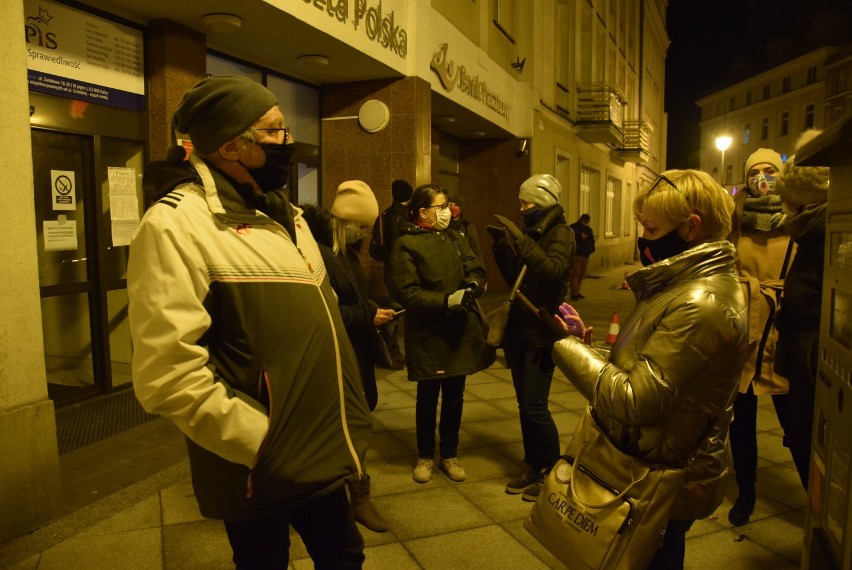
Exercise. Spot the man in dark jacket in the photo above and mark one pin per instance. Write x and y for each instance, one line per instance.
(545, 246)
(462, 226)
(385, 231)
(585, 238)
(238, 339)
(387, 227)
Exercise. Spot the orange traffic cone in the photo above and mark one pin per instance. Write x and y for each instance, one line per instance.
(612, 335)
(624, 284)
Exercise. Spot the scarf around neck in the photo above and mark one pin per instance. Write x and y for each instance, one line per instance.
(762, 214)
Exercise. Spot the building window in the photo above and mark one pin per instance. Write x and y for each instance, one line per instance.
(585, 189)
(766, 92)
(612, 212)
(764, 128)
(785, 120)
(732, 104)
(729, 174)
(809, 116)
(746, 133)
(785, 84)
(811, 75)
(747, 98)
(506, 17)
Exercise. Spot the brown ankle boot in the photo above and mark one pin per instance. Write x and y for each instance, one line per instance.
(363, 509)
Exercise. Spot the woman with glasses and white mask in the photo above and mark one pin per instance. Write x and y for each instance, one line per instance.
(665, 392)
(436, 277)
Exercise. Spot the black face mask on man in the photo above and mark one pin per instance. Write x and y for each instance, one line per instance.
(275, 172)
(654, 250)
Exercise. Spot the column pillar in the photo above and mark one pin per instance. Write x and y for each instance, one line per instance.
(176, 60)
(29, 471)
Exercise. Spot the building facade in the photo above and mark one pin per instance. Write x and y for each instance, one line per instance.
(767, 110)
(475, 95)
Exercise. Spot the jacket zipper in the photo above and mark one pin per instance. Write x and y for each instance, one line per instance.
(263, 379)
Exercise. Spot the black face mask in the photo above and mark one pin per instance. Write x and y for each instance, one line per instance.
(275, 172)
(654, 250)
(532, 216)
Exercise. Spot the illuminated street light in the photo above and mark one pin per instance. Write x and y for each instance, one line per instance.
(723, 143)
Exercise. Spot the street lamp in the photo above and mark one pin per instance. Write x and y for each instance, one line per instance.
(723, 143)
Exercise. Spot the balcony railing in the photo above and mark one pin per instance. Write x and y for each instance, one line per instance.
(600, 113)
(634, 146)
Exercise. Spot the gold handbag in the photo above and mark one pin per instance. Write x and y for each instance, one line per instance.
(600, 508)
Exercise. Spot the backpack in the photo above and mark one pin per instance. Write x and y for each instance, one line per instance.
(379, 246)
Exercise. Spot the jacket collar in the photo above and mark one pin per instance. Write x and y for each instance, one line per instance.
(702, 260)
(225, 201)
(552, 216)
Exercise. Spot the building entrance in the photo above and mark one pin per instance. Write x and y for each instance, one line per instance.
(88, 190)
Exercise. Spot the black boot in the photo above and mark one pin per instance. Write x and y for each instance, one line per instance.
(363, 509)
(743, 507)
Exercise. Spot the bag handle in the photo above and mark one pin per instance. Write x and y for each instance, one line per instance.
(618, 496)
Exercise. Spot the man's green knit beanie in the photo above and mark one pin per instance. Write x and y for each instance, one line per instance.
(219, 108)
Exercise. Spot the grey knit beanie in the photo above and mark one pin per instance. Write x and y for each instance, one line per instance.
(540, 189)
(219, 108)
(803, 185)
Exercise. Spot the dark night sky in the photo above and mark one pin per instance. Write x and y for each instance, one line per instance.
(706, 37)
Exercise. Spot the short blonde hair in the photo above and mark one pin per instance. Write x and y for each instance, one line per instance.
(690, 192)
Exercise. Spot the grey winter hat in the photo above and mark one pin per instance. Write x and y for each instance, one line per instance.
(540, 189)
(219, 108)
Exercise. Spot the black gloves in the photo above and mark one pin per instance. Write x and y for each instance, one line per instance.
(510, 226)
(459, 300)
(497, 232)
(552, 330)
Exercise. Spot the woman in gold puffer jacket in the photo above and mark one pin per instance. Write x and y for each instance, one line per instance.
(665, 394)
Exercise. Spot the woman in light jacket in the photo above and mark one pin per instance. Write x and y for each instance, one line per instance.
(667, 389)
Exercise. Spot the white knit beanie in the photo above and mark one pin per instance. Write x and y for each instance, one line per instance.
(355, 202)
(763, 155)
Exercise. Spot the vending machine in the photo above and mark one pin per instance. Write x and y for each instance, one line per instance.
(828, 522)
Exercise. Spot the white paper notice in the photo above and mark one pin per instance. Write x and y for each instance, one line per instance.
(62, 187)
(60, 234)
(123, 204)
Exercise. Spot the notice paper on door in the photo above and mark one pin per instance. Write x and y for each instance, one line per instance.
(60, 234)
(123, 204)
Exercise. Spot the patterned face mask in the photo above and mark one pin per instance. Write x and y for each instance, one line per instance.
(762, 184)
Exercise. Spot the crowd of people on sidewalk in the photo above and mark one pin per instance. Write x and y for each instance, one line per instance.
(256, 330)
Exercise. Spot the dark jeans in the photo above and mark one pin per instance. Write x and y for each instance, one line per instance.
(325, 524)
(673, 550)
(532, 374)
(452, 404)
(744, 435)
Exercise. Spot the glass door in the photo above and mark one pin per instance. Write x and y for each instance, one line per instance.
(87, 190)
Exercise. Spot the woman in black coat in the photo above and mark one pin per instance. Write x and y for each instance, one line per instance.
(545, 247)
(340, 233)
(436, 277)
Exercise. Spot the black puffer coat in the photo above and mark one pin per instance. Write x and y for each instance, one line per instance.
(425, 267)
(546, 248)
(348, 281)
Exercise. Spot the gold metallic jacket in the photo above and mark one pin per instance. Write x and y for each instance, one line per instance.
(665, 395)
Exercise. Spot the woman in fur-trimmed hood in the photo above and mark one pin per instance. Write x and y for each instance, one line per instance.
(803, 191)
